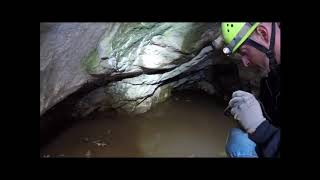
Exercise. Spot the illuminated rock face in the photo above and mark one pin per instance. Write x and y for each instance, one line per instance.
(142, 63)
(62, 46)
(164, 56)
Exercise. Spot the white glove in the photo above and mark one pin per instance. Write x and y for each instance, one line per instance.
(247, 110)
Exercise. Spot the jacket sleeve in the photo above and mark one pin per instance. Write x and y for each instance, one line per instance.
(267, 138)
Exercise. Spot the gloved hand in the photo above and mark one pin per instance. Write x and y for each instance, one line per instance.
(247, 110)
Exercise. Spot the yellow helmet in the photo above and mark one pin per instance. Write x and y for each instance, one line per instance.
(235, 33)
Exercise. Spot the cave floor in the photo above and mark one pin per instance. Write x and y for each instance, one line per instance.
(189, 124)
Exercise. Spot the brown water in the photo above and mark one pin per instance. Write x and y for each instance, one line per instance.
(190, 124)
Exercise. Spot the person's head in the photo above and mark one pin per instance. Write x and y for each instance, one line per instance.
(252, 42)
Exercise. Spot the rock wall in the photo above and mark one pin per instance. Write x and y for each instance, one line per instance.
(62, 47)
(140, 63)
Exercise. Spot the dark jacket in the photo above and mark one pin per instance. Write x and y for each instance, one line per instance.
(267, 135)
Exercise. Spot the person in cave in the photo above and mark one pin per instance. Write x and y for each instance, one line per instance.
(258, 44)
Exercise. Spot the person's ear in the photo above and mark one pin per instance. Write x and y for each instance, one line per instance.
(262, 33)
(245, 61)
